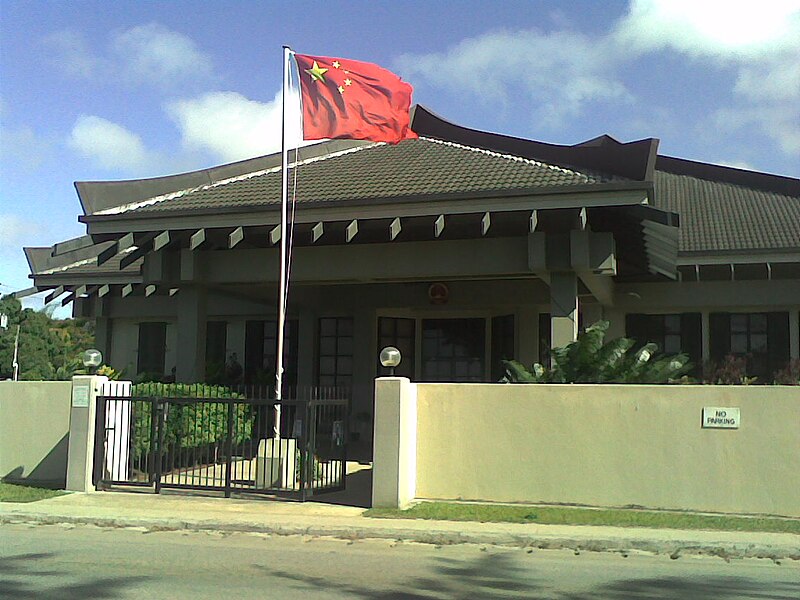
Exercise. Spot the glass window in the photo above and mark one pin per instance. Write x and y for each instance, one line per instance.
(335, 350)
(399, 333)
(261, 352)
(453, 350)
(673, 334)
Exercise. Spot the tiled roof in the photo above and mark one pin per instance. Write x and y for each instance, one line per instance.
(719, 216)
(414, 168)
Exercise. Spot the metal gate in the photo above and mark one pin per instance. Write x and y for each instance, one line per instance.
(221, 443)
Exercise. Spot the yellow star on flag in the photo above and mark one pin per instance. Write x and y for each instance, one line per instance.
(317, 73)
(336, 64)
(348, 82)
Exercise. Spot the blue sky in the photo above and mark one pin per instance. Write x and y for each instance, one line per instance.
(97, 90)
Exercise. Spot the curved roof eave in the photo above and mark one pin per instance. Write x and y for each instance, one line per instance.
(632, 160)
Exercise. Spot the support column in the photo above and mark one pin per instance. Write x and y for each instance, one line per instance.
(794, 334)
(394, 470)
(191, 350)
(102, 328)
(563, 308)
(82, 427)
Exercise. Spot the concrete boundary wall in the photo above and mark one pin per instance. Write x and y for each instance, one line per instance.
(34, 431)
(609, 445)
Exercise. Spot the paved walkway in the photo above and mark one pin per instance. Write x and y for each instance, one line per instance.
(184, 512)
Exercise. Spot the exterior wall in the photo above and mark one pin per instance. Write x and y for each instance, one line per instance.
(34, 431)
(610, 446)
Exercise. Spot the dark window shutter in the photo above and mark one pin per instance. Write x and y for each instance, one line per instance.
(152, 348)
(692, 340)
(636, 327)
(253, 349)
(502, 344)
(720, 335)
(777, 340)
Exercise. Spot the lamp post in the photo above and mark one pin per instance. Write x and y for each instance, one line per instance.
(92, 358)
(390, 357)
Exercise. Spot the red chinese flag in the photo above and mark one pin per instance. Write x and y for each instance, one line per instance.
(353, 100)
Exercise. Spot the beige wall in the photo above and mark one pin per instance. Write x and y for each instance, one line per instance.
(34, 431)
(610, 446)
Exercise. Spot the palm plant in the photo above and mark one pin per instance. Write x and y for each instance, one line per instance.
(592, 360)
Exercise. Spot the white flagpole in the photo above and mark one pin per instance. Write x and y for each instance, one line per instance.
(282, 288)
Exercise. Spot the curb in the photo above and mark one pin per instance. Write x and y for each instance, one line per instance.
(621, 545)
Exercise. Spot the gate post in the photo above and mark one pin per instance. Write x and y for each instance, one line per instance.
(394, 469)
(82, 432)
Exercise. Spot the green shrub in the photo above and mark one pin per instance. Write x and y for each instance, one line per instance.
(592, 360)
(191, 425)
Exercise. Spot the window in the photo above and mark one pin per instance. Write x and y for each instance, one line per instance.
(216, 342)
(335, 367)
(152, 348)
(401, 334)
(261, 352)
(761, 338)
(453, 350)
(673, 334)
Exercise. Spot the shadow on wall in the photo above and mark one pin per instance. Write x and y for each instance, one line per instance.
(496, 576)
(51, 472)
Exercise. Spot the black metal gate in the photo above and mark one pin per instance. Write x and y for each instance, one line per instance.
(223, 443)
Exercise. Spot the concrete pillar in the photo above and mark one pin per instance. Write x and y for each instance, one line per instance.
(794, 334)
(82, 417)
(705, 330)
(191, 346)
(563, 308)
(394, 470)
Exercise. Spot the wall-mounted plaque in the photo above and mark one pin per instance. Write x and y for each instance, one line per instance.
(719, 417)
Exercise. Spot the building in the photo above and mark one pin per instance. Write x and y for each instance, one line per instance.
(461, 248)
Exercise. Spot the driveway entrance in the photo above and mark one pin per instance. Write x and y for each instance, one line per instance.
(225, 443)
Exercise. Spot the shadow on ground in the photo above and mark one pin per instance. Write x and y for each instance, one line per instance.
(357, 492)
(495, 576)
(27, 576)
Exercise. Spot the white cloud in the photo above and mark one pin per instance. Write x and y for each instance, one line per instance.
(148, 54)
(759, 40)
(14, 230)
(157, 55)
(23, 147)
(561, 71)
(109, 145)
(70, 52)
(710, 27)
(230, 125)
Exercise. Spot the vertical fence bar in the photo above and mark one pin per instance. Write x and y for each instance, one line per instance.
(228, 450)
(160, 417)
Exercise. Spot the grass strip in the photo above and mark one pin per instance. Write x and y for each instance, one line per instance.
(23, 493)
(560, 515)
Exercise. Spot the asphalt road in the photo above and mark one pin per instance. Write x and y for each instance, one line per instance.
(84, 562)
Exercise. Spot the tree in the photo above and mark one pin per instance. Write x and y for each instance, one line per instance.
(48, 348)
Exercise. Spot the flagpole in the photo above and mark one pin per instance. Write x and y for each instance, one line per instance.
(282, 287)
